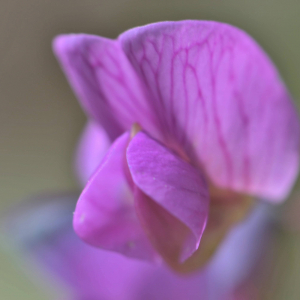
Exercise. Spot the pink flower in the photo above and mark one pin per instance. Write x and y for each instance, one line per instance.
(199, 122)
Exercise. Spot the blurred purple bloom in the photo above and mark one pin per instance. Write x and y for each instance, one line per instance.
(217, 126)
(43, 230)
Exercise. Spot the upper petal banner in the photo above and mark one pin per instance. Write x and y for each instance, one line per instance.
(204, 89)
(222, 101)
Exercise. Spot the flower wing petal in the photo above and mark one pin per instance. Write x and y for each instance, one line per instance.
(172, 197)
(105, 216)
(220, 98)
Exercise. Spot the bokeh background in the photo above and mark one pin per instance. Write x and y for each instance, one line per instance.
(40, 119)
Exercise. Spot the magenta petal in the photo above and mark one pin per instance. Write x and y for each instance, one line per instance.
(92, 147)
(105, 216)
(173, 201)
(200, 87)
(105, 82)
(220, 98)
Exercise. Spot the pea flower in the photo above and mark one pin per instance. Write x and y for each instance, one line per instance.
(198, 122)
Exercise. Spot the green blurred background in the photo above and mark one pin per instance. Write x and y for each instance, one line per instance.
(40, 118)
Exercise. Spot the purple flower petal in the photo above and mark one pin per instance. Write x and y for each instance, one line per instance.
(172, 198)
(105, 216)
(220, 97)
(88, 272)
(92, 147)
